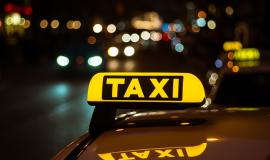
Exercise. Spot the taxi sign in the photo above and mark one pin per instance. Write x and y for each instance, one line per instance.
(140, 88)
(232, 45)
(247, 54)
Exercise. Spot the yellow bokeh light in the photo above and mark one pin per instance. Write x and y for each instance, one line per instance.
(43, 23)
(229, 10)
(232, 45)
(247, 54)
(16, 18)
(70, 24)
(54, 23)
(76, 24)
(211, 24)
(26, 24)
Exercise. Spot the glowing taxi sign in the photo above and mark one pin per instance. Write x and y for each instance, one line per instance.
(232, 45)
(155, 88)
(157, 153)
(247, 54)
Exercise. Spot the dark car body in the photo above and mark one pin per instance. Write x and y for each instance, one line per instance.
(213, 133)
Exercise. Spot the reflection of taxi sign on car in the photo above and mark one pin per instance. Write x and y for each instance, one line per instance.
(145, 88)
(157, 153)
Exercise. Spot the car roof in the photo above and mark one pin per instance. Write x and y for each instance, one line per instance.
(193, 133)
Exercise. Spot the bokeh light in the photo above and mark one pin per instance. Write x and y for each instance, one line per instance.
(62, 61)
(230, 55)
(77, 24)
(165, 27)
(111, 28)
(229, 64)
(15, 18)
(54, 23)
(202, 14)
(218, 63)
(97, 28)
(126, 38)
(129, 51)
(69, 24)
(201, 22)
(155, 36)
(235, 69)
(91, 40)
(232, 45)
(213, 78)
(211, 24)
(229, 10)
(26, 24)
(134, 37)
(113, 51)
(195, 29)
(129, 65)
(145, 35)
(95, 61)
(179, 47)
(179, 27)
(43, 24)
(113, 64)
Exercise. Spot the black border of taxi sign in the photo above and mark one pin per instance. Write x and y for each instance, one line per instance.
(145, 90)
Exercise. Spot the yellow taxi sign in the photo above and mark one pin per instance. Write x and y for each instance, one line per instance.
(246, 54)
(145, 87)
(232, 45)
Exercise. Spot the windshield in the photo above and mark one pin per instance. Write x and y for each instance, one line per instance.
(247, 89)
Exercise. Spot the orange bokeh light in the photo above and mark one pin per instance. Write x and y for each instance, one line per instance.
(91, 40)
(202, 14)
(235, 69)
(229, 64)
(230, 56)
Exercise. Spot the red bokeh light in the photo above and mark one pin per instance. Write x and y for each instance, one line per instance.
(9, 7)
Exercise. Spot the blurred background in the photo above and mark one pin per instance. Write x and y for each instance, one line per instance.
(49, 50)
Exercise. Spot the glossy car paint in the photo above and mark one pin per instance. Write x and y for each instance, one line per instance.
(216, 133)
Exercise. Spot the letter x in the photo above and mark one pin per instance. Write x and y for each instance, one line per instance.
(165, 153)
(158, 88)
